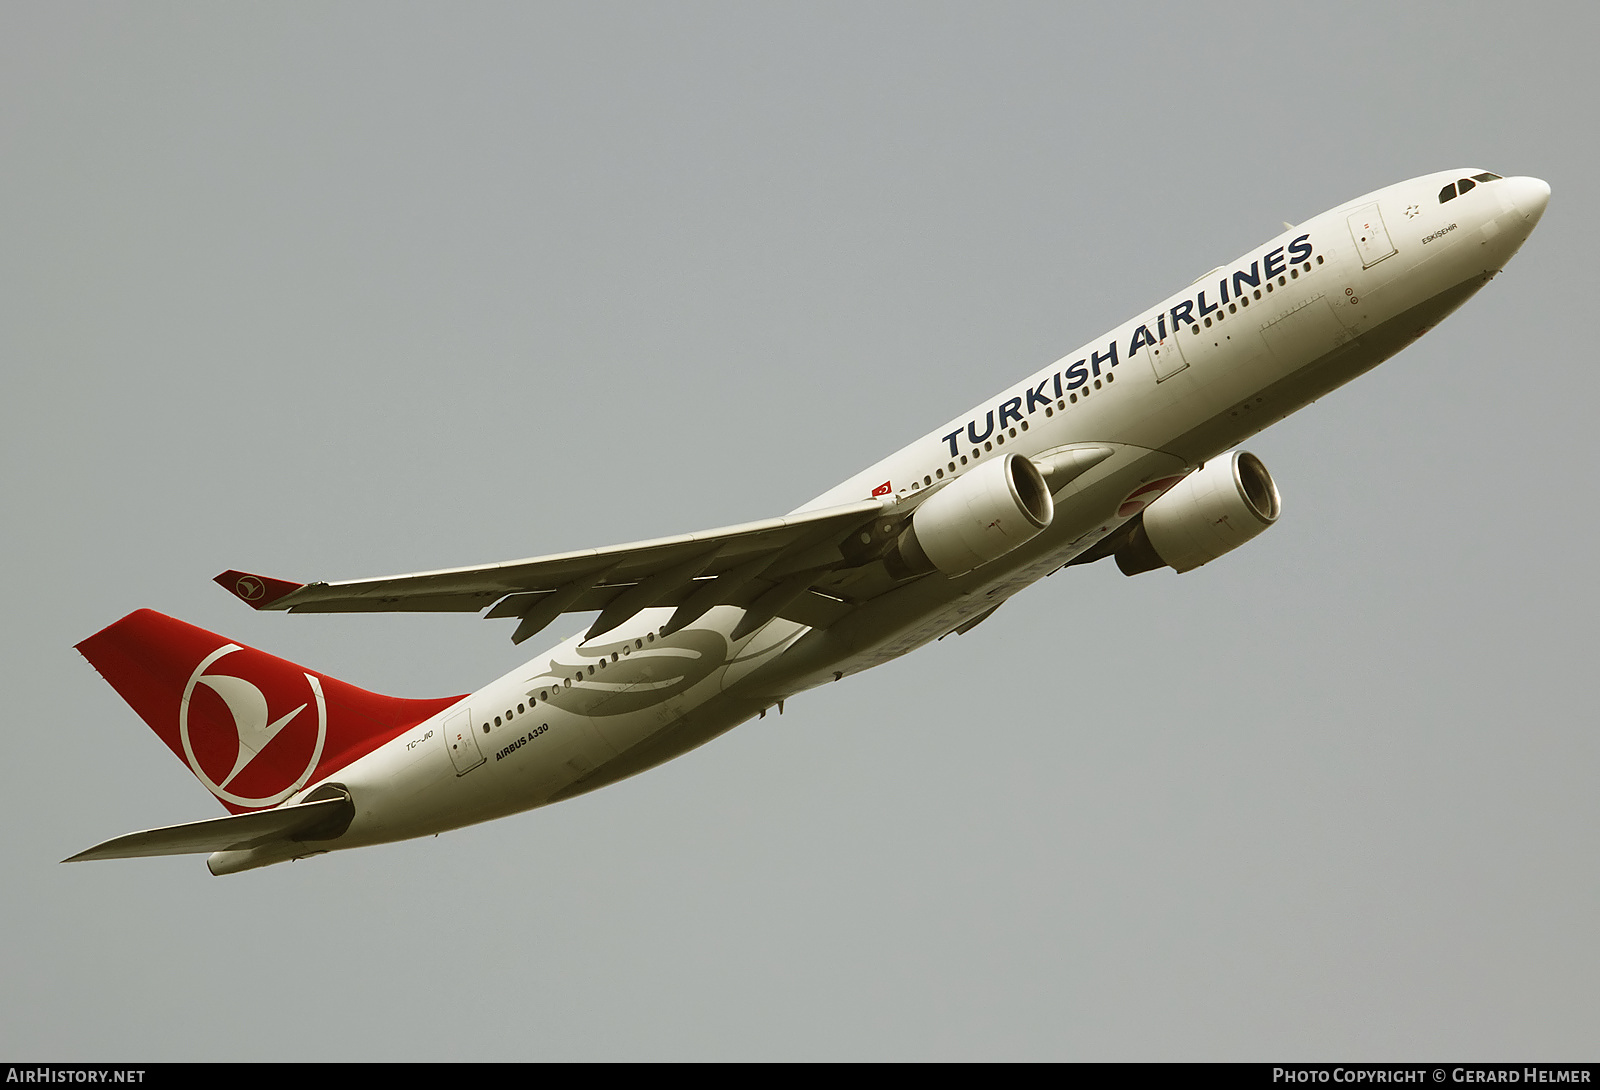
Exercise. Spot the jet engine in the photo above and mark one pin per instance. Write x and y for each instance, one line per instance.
(1210, 512)
(978, 517)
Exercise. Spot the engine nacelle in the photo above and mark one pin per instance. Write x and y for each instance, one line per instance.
(1209, 513)
(978, 517)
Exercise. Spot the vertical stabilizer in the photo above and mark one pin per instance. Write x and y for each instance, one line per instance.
(252, 727)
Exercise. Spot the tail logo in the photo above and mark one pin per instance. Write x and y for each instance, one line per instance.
(249, 588)
(256, 727)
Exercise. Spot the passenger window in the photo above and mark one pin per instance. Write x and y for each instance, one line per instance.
(1448, 193)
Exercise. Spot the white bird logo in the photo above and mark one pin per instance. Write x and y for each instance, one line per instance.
(249, 708)
(253, 724)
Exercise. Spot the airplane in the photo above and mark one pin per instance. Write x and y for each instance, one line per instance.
(1122, 450)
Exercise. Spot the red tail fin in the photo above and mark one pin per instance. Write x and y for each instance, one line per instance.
(253, 728)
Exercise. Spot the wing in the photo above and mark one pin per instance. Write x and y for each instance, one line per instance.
(812, 567)
(778, 567)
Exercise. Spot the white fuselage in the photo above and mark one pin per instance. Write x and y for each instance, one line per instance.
(1176, 385)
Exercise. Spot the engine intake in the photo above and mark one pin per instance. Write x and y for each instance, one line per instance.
(980, 516)
(1207, 514)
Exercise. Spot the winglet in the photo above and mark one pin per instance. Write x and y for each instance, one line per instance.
(255, 591)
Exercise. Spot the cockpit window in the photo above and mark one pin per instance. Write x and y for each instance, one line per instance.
(1455, 189)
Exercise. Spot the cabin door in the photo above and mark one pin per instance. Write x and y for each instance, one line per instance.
(1370, 235)
(463, 743)
(1165, 357)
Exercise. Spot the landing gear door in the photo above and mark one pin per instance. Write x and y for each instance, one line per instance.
(464, 751)
(1370, 235)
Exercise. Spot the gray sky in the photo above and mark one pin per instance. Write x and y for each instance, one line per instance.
(327, 291)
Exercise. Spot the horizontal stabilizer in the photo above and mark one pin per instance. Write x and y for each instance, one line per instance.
(328, 816)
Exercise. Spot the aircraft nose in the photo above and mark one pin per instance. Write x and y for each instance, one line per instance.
(1530, 195)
